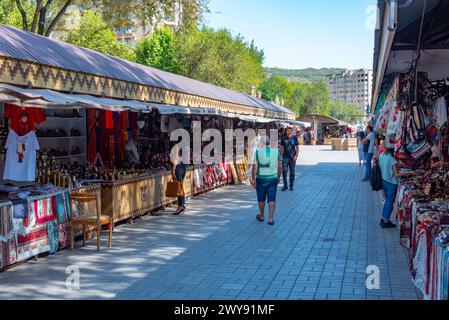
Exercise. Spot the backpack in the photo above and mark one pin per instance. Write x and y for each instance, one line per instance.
(376, 179)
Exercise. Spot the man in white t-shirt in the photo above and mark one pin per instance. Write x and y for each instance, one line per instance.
(370, 139)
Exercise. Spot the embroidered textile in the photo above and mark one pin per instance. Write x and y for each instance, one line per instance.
(8, 237)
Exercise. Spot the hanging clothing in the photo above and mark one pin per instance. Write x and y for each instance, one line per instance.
(91, 135)
(441, 112)
(23, 120)
(20, 162)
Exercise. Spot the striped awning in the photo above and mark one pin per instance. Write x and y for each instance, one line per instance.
(49, 99)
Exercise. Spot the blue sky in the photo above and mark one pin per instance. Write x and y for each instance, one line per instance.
(302, 33)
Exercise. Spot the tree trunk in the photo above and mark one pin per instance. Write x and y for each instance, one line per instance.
(58, 17)
(24, 15)
(43, 17)
(36, 15)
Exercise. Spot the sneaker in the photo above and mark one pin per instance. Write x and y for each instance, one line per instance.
(382, 222)
(389, 225)
(284, 189)
(291, 189)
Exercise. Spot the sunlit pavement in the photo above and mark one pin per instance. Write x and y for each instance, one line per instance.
(326, 235)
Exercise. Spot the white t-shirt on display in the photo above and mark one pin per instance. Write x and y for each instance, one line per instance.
(20, 162)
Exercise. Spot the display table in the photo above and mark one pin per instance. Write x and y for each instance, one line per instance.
(130, 198)
(420, 232)
(339, 144)
(43, 228)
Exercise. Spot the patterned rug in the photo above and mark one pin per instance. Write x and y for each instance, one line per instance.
(8, 237)
(32, 236)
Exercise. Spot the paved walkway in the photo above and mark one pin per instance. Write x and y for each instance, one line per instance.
(326, 234)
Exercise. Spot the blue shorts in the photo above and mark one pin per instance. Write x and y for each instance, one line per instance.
(266, 189)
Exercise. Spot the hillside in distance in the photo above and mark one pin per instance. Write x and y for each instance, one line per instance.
(309, 74)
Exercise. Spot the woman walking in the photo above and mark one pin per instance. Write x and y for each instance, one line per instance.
(179, 171)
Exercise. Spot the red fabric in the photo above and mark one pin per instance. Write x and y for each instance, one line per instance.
(119, 132)
(47, 213)
(23, 120)
(109, 120)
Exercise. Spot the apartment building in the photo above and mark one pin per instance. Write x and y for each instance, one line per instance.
(352, 86)
(133, 33)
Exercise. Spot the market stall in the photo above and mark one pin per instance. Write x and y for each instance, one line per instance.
(325, 129)
(410, 108)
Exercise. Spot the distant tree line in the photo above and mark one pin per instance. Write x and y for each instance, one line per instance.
(309, 74)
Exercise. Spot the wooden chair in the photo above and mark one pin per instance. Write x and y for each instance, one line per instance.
(97, 220)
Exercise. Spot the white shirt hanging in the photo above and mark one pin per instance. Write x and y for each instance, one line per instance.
(441, 112)
(20, 162)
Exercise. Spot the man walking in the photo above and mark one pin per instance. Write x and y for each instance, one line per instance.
(369, 140)
(289, 152)
(265, 178)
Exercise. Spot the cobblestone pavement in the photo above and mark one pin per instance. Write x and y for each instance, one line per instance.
(326, 234)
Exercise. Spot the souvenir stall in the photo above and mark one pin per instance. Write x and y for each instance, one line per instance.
(133, 189)
(34, 202)
(410, 107)
(420, 135)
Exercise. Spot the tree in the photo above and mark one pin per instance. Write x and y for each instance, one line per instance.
(346, 112)
(43, 16)
(152, 12)
(275, 87)
(40, 16)
(158, 51)
(296, 100)
(93, 33)
(317, 99)
(217, 57)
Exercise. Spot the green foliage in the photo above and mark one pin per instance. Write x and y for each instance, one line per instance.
(346, 112)
(158, 51)
(217, 57)
(151, 12)
(309, 74)
(275, 87)
(10, 15)
(93, 33)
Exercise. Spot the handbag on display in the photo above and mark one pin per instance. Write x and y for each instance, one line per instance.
(417, 122)
(418, 149)
(174, 189)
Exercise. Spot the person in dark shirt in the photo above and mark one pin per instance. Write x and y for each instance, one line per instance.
(289, 152)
